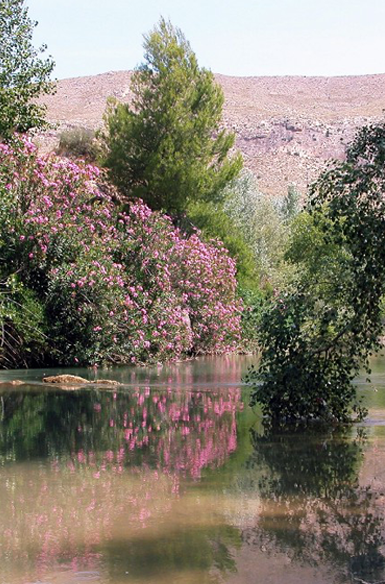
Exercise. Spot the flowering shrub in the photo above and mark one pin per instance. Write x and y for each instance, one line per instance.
(205, 278)
(121, 287)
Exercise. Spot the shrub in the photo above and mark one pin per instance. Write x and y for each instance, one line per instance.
(321, 330)
(78, 143)
(115, 286)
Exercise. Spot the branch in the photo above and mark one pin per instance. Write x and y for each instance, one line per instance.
(332, 342)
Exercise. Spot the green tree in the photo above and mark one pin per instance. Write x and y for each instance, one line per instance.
(322, 329)
(24, 76)
(264, 223)
(167, 147)
(214, 223)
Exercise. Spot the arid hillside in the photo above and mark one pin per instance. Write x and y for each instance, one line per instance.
(286, 127)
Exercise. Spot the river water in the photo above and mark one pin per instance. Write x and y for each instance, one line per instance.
(170, 478)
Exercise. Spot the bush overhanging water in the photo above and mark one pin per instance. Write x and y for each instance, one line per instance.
(102, 285)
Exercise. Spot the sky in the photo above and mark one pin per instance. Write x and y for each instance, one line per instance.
(232, 37)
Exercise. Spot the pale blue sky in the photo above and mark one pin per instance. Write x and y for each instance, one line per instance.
(233, 37)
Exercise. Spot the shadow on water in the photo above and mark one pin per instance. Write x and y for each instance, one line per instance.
(183, 551)
(313, 508)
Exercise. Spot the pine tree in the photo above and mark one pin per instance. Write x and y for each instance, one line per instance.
(168, 147)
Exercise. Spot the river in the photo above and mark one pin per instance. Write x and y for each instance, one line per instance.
(170, 478)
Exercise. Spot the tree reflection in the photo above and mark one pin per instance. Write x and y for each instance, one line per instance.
(312, 506)
(114, 466)
(173, 430)
(122, 471)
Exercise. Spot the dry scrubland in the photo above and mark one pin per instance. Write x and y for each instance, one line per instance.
(286, 127)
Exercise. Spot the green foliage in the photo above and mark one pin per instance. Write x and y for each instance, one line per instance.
(23, 75)
(78, 143)
(168, 148)
(22, 325)
(253, 301)
(290, 205)
(264, 224)
(214, 223)
(322, 329)
(304, 372)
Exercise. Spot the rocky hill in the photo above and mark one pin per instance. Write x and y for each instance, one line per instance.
(286, 127)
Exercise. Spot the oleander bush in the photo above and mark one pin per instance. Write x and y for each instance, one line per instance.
(110, 285)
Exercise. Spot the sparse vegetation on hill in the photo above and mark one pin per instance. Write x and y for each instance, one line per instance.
(78, 142)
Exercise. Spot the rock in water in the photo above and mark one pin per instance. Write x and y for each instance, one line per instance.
(65, 379)
(74, 379)
(13, 382)
(106, 382)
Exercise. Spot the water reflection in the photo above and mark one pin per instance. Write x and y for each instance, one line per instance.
(166, 483)
(174, 431)
(94, 481)
(313, 508)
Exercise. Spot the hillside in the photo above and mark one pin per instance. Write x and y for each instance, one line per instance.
(286, 127)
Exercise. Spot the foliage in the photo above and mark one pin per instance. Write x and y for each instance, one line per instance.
(318, 334)
(114, 286)
(264, 224)
(214, 222)
(78, 142)
(22, 322)
(304, 372)
(24, 76)
(290, 205)
(254, 301)
(168, 148)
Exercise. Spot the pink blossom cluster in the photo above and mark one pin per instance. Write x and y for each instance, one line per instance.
(116, 286)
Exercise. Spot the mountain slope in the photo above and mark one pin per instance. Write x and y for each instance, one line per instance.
(286, 127)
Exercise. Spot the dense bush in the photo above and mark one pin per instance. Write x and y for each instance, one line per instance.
(110, 285)
(321, 330)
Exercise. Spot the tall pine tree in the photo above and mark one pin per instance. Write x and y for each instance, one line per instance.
(167, 147)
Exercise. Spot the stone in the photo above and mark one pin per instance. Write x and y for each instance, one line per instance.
(106, 382)
(13, 382)
(65, 379)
